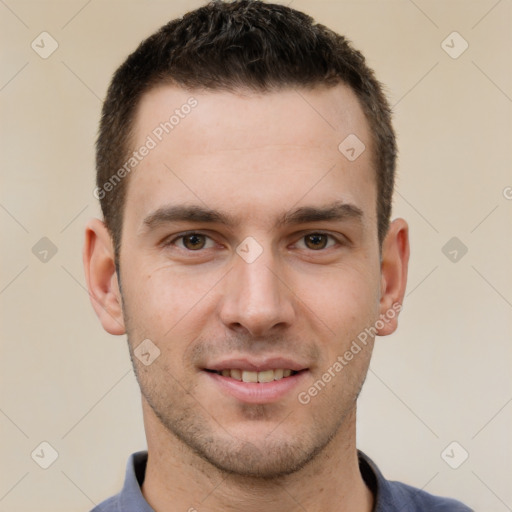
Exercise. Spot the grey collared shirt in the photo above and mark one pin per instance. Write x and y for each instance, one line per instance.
(389, 496)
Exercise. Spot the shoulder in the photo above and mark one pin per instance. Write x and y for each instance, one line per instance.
(130, 498)
(417, 500)
(391, 496)
(109, 505)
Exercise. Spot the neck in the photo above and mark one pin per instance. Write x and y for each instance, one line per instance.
(178, 479)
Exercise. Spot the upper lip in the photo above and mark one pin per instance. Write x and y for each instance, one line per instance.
(257, 365)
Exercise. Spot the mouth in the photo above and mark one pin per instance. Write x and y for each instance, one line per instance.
(255, 376)
(257, 382)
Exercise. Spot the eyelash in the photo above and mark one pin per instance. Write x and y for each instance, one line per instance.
(168, 243)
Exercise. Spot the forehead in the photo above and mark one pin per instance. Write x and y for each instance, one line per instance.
(248, 151)
(244, 119)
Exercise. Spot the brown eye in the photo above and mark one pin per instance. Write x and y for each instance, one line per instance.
(194, 241)
(316, 241)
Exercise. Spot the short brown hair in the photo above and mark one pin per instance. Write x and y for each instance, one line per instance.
(244, 44)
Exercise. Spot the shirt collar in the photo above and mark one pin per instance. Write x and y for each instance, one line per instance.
(132, 500)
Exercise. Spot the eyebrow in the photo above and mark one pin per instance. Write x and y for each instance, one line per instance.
(337, 211)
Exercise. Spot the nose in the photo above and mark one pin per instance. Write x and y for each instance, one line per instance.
(256, 297)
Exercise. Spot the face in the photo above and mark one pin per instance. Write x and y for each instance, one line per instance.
(250, 260)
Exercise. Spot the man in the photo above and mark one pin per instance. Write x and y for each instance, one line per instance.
(245, 168)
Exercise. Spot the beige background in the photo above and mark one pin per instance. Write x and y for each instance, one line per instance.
(444, 376)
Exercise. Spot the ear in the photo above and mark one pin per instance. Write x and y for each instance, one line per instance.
(101, 277)
(394, 264)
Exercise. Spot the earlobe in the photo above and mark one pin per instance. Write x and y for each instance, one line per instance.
(394, 265)
(101, 277)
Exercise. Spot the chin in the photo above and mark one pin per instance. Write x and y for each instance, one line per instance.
(245, 459)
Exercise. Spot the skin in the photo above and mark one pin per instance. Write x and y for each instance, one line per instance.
(253, 157)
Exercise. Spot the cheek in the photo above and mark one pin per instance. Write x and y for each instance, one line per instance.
(346, 300)
(160, 302)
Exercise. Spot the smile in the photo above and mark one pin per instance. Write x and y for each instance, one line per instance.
(257, 387)
(251, 376)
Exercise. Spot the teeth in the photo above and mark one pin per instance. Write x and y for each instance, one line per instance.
(278, 374)
(236, 374)
(249, 376)
(264, 376)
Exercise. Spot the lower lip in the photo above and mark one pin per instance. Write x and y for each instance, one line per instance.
(257, 392)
